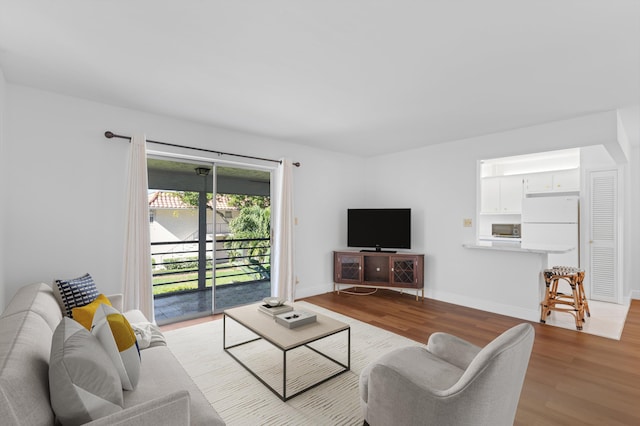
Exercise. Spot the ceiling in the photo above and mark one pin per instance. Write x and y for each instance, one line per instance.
(356, 76)
(189, 168)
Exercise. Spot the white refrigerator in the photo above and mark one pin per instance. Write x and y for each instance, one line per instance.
(552, 221)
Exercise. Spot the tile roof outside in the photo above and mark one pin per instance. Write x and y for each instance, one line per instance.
(171, 200)
(222, 203)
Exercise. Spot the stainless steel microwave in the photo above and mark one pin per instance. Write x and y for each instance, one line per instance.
(506, 230)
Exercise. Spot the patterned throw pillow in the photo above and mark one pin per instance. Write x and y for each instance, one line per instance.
(75, 292)
(83, 383)
(84, 314)
(117, 337)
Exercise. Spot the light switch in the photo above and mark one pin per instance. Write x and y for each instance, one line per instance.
(467, 222)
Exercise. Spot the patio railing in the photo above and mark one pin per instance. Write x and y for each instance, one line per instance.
(176, 264)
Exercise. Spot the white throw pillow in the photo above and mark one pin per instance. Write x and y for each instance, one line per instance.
(117, 337)
(83, 383)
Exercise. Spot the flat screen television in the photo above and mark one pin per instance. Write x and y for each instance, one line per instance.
(379, 228)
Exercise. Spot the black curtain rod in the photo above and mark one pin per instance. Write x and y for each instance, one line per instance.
(110, 135)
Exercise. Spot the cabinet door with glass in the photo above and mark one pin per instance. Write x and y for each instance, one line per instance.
(347, 268)
(406, 271)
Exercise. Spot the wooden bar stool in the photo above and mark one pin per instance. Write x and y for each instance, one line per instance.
(575, 303)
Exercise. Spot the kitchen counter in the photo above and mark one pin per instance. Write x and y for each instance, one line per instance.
(519, 247)
(496, 238)
(522, 299)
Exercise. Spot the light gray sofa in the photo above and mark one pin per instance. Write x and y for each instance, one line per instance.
(165, 393)
(451, 382)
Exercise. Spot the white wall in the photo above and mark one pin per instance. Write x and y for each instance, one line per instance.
(66, 207)
(175, 225)
(3, 180)
(633, 230)
(440, 184)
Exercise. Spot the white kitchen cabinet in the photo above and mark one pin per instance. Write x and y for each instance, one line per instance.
(566, 180)
(539, 182)
(490, 195)
(511, 194)
(501, 195)
(557, 181)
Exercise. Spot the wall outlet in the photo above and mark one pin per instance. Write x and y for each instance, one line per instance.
(467, 223)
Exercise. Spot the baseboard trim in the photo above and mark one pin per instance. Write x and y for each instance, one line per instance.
(489, 306)
(303, 292)
(456, 299)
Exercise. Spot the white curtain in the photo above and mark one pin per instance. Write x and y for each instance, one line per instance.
(282, 275)
(137, 279)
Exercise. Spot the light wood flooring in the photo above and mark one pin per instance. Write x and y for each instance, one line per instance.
(573, 377)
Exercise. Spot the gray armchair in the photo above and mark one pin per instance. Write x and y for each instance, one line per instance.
(451, 382)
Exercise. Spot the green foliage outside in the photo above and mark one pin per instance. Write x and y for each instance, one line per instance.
(242, 201)
(253, 222)
(228, 274)
(235, 200)
(191, 198)
(177, 263)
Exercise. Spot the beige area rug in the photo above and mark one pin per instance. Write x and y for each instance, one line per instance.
(242, 400)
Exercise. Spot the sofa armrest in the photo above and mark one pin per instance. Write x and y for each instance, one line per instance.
(452, 349)
(116, 301)
(172, 409)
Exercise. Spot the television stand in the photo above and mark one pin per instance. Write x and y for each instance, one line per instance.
(378, 269)
(377, 251)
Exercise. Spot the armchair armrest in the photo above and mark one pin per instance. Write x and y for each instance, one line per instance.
(453, 349)
(116, 300)
(172, 409)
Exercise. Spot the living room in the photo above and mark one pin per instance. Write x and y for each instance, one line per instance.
(62, 181)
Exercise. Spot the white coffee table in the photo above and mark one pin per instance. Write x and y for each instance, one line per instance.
(285, 339)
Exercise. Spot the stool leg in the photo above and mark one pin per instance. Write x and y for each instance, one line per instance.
(585, 302)
(554, 288)
(544, 306)
(583, 296)
(577, 304)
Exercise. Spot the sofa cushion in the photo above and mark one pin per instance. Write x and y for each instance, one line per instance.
(415, 363)
(75, 292)
(119, 341)
(83, 382)
(84, 314)
(161, 374)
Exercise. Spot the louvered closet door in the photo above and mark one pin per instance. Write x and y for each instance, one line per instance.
(603, 238)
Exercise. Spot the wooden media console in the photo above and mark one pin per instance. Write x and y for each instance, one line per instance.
(403, 271)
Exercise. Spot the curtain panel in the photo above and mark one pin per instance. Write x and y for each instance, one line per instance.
(282, 258)
(137, 274)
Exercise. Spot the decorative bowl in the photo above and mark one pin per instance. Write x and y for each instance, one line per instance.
(273, 301)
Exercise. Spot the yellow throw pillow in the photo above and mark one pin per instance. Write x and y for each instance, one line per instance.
(84, 314)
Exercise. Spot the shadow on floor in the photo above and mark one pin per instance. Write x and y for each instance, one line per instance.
(194, 304)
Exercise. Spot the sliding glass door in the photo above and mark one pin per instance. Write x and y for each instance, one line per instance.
(181, 245)
(210, 250)
(243, 251)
